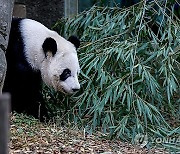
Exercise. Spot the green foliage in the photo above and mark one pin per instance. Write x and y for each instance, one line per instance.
(130, 62)
(20, 119)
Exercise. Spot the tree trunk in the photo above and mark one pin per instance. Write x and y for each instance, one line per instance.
(6, 9)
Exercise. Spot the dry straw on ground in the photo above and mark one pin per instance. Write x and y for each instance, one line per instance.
(28, 136)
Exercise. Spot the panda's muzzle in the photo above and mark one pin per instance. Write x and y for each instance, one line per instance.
(75, 90)
(63, 91)
(67, 93)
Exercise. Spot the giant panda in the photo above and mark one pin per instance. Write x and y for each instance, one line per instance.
(34, 54)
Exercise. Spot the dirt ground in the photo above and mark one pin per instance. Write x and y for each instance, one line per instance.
(28, 136)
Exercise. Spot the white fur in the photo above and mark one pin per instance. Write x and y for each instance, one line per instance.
(51, 67)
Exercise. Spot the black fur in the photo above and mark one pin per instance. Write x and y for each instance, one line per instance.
(66, 73)
(74, 40)
(22, 82)
(49, 45)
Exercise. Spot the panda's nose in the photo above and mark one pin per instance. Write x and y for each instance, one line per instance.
(75, 89)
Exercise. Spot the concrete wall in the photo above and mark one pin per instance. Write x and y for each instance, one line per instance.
(44, 11)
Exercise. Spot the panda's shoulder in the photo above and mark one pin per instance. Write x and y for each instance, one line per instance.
(35, 33)
(25, 22)
(32, 26)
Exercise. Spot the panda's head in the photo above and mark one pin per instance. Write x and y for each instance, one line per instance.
(60, 67)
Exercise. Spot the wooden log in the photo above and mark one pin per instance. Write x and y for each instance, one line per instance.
(4, 122)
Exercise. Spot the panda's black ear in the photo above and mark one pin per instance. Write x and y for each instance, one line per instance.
(74, 40)
(49, 45)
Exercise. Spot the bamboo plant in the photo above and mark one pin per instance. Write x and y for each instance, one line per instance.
(130, 70)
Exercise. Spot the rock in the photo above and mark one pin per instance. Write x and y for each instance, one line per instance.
(6, 8)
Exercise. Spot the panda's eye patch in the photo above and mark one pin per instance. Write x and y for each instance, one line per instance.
(66, 73)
